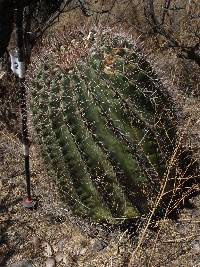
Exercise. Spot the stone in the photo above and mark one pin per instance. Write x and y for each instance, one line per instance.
(59, 257)
(195, 247)
(48, 249)
(83, 251)
(61, 244)
(50, 262)
(98, 245)
(36, 241)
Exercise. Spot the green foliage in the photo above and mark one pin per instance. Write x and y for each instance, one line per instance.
(104, 130)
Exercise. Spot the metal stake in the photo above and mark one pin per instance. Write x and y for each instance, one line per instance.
(19, 70)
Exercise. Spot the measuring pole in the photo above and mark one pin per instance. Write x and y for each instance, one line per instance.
(18, 67)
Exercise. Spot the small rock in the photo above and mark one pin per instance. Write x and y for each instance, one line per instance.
(22, 263)
(36, 241)
(61, 244)
(59, 257)
(83, 251)
(195, 247)
(98, 245)
(48, 249)
(50, 262)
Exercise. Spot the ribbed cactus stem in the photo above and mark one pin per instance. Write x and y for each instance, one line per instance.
(105, 130)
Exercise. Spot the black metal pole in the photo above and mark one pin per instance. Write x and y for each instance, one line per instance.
(23, 107)
(18, 18)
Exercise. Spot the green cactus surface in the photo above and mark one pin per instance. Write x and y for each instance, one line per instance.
(105, 130)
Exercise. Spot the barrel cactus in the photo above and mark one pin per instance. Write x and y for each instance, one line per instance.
(105, 128)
